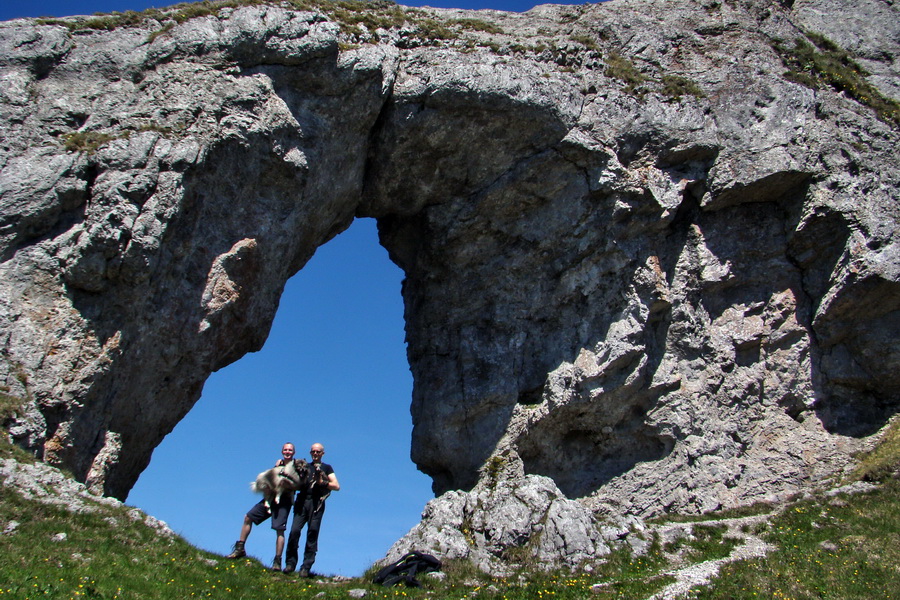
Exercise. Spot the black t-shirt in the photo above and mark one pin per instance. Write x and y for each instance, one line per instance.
(319, 491)
(324, 466)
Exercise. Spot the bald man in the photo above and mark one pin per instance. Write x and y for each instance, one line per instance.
(308, 510)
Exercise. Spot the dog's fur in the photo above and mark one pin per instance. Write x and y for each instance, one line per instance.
(275, 482)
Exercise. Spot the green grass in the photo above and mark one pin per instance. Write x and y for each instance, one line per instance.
(815, 62)
(85, 141)
(626, 575)
(675, 86)
(619, 67)
(842, 548)
(883, 462)
(97, 561)
(707, 542)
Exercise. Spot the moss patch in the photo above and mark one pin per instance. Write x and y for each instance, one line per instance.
(884, 461)
(619, 67)
(675, 86)
(85, 141)
(815, 62)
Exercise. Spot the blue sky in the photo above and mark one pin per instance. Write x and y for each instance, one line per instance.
(333, 370)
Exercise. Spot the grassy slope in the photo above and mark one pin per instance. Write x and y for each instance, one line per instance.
(841, 548)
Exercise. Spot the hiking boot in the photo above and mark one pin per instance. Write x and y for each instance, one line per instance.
(276, 563)
(237, 551)
(304, 572)
(289, 567)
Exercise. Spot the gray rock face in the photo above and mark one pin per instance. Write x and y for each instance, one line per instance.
(526, 519)
(46, 485)
(640, 261)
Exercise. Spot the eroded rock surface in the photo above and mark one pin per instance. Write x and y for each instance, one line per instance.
(642, 265)
(508, 521)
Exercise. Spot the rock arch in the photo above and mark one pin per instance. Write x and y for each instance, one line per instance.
(602, 287)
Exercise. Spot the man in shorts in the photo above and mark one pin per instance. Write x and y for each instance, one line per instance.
(260, 512)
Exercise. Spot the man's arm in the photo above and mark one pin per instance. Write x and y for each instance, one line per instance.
(333, 484)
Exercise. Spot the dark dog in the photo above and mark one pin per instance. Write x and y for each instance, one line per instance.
(275, 482)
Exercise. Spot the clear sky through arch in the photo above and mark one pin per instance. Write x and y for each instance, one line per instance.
(333, 370)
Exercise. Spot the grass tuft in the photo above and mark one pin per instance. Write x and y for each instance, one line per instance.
(85, 141)
(883, 462)
(10, 406)
(619, 67)
(477, 25)
(816, 62)
(586, 40)
(357, 18)
(675, 87)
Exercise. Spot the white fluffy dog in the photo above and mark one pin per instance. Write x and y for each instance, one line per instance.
(275, 482)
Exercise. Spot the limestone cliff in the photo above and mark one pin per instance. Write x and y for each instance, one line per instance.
(650, 246)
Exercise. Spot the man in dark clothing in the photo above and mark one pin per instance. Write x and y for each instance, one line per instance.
(262, 511)
(308, 510)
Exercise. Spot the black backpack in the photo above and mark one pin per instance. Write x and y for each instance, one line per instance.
(405, 569)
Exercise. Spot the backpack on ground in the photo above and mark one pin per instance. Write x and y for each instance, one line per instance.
(405, 569)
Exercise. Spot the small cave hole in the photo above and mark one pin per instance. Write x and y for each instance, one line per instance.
(532, 397)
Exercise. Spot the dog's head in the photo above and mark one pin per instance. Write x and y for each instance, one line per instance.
(297, 471)
(302, 468)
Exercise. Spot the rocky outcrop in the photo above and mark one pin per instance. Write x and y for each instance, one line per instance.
(646, 269)
(509, 521)
(46, 485)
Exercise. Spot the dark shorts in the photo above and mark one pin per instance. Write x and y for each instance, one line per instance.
(260, 512)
